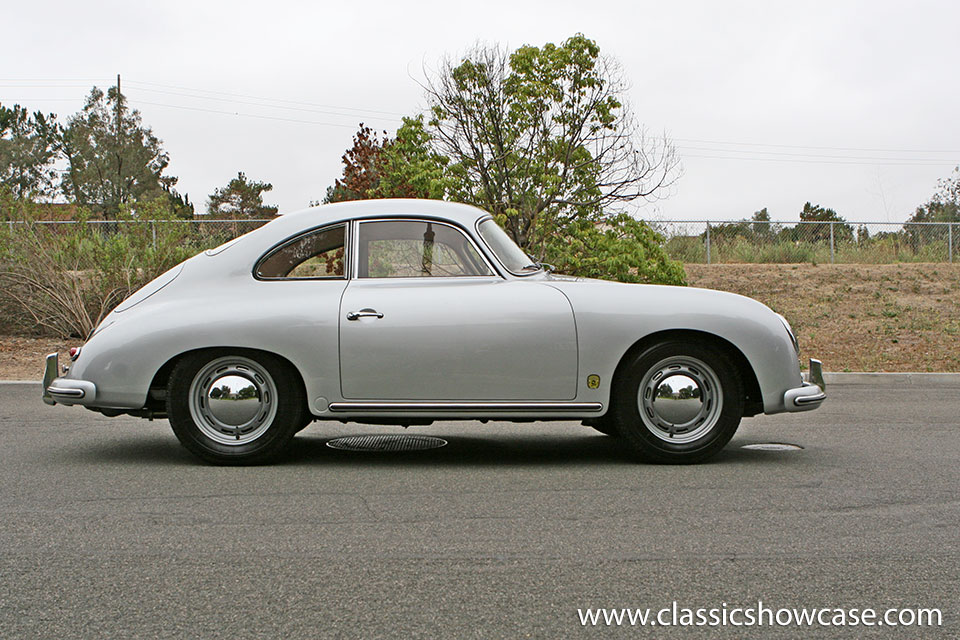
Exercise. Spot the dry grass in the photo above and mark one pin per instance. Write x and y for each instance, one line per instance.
(897, 317)
(891, 317)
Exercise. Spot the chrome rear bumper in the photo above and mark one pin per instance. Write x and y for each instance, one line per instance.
(811, 395)
(65, 390)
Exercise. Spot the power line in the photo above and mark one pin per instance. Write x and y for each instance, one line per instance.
(241, 95)
(246, 115)
(44, 86)
(56, 80)
(812, 155)
(279, 105)
(920, 163)
(255, 104)
(795, 146)
(193, 91)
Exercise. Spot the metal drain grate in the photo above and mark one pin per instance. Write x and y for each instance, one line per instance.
(386, 443)
(773, 446)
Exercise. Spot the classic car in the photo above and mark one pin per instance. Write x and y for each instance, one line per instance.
(404, 312)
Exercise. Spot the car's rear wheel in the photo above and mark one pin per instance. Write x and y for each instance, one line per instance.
(678, 402)
(235, 407)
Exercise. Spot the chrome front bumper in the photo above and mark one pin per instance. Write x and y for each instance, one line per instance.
(65, 390)
(811, 395)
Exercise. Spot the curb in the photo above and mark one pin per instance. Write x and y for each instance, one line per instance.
(906, 378)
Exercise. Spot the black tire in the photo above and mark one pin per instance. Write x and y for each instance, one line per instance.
(306, 422)
(604, 425)
(692, 437)
(278, 409)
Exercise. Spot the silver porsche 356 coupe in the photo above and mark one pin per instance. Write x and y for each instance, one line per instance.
(404, 312)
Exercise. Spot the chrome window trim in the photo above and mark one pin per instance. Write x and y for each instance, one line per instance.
(283, 243)
(495, 277)
(525, 274)
(355, 250)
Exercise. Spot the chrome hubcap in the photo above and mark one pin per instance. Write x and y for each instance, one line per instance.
(233, 400)
(680, 399)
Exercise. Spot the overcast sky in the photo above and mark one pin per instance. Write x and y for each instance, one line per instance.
(852, 105)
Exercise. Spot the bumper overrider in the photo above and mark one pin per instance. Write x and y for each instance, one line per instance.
(811, 395)
(65, 390)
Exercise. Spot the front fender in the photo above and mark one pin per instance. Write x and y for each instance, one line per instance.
(612, 317)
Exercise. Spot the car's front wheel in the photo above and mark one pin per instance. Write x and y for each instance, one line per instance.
(678, 402)
(235, 407)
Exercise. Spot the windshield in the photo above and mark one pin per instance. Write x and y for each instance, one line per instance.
(510, 255)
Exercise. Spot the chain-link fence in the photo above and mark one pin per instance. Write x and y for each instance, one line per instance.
(707, 241)
(703, 241)
(197, 234)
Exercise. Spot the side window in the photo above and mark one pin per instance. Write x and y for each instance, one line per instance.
(318, 254)
(416, 249)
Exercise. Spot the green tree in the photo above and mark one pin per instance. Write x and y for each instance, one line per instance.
(944, 205)
(408, 167)
(361, 175)
(762, 227)
(542, 137)
(402, 167)
(113, 159)
(821, 232)
(241, 198)
(27, 152)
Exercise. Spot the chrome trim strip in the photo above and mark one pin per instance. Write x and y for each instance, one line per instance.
(498, 407)
(355, 245)
(283, 243)
(476, 229)
(67, 393)
(802, 400)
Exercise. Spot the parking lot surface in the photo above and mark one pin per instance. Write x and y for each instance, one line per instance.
(108, 528)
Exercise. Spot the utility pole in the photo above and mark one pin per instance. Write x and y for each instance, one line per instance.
(119, 188)
(118, 106)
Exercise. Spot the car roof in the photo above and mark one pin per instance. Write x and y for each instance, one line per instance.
(255, 243)
(461, 214)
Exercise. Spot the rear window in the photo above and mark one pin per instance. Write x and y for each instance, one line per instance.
(318, 254)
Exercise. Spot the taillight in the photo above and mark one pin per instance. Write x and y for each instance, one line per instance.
(74, 353)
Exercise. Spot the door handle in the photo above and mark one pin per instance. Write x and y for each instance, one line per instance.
(363, 313)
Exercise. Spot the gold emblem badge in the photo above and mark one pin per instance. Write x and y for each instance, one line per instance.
(593, 381)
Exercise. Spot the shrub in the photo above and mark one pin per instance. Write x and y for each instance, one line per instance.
(621, 248)
(64, 278)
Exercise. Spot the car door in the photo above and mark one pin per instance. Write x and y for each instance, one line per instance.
(426, 318)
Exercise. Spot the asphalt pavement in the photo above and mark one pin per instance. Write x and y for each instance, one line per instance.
(109, 529)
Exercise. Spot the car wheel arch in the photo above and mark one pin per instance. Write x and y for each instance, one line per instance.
(162, 377)
(753, 400)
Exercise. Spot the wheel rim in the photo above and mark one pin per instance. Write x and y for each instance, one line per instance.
(233, 400)
(680, 399)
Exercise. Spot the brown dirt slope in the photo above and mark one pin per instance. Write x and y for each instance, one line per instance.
(896, 317)
(21, 358)
(891, 317)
